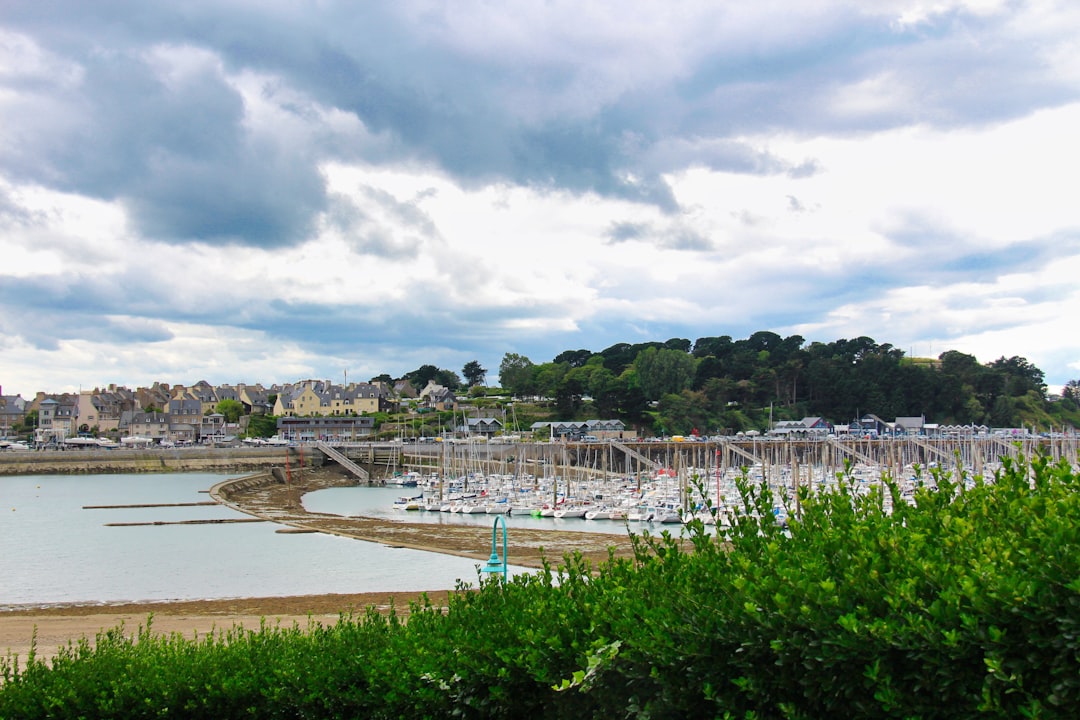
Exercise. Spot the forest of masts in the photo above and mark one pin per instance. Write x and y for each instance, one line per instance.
(895, 457)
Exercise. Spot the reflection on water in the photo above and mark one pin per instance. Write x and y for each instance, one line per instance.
(52, 550)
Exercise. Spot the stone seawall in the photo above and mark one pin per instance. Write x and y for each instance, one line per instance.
(227, 491)
(124, 460)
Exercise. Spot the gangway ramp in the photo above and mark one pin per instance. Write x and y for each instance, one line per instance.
(741, 452)
(844, 449)
(341, 459)
(933, 450)
(630, 452)
(1010, 448)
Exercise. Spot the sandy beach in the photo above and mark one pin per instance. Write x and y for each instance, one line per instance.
(58, 625)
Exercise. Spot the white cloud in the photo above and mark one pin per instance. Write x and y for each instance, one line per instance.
(433, 185)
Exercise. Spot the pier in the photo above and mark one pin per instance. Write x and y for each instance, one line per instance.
(608, 458)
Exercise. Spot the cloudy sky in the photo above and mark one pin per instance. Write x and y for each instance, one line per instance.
(240, 191)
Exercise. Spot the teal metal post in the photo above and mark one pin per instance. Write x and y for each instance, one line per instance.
(494, 565)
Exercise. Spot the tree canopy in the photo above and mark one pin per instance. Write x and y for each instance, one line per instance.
(721, 383)
(474, 374)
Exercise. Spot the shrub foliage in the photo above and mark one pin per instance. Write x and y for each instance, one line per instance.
(962, 601)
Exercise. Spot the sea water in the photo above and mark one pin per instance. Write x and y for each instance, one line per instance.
(54, 550)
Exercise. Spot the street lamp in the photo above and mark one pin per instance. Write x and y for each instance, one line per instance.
(494, 564)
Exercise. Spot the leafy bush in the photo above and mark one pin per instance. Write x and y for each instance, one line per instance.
(964, 602)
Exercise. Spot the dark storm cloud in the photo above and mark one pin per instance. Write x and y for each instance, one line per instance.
(179, 154)
(59, 294)
(175, 153)
(46, 312)
(210, 122)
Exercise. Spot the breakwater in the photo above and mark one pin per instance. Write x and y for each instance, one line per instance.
(155, 460)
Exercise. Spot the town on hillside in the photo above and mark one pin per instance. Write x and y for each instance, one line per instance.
(164, 415)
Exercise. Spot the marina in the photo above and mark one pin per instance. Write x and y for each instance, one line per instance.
(113, 537)
(673, 482)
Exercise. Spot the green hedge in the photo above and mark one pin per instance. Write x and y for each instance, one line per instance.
(965, 603)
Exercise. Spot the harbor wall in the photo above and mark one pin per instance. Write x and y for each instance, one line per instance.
(125, 460)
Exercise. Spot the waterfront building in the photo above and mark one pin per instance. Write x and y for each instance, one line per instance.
(480, 427)
(153, 425)
(340, 428)
(12, 412)
(807, 427)
(577, 429)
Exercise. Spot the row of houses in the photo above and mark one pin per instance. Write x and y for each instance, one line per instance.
(584, 429)
(872, 426)
(184, 414)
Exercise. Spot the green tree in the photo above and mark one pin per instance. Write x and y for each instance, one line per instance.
(663, 371)
(448, 379)
(473, 373)
(548, 378)
(573, 358)
(680, 344)
(29, 422)
(1071, 391)
(568, 398)
(683, 412)
(231, 409)
(515, 373)
(420, 376)
(618, 357)
(718, 347)
(262, 426)
(1018, 376)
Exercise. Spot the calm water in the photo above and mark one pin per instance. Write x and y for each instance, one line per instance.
(54, 551)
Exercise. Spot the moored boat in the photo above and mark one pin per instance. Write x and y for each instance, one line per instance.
(571, 511)
(408, 503)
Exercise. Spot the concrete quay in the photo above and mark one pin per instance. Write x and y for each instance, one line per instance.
(153, 460)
